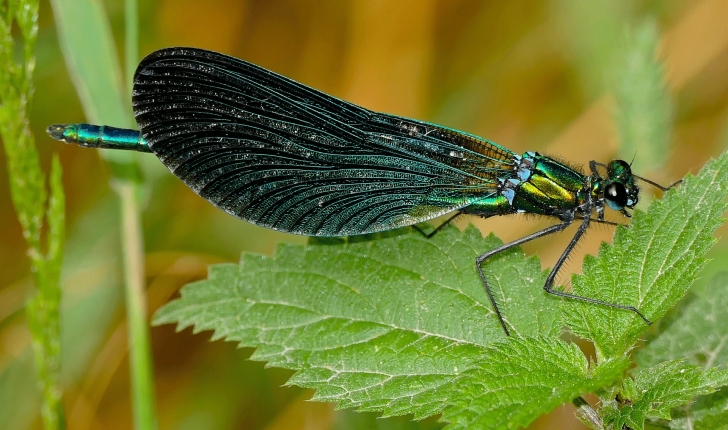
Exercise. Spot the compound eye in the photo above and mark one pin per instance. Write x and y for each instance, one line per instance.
(618, 169)
(616, 196)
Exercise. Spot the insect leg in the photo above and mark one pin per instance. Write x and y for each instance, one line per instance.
(506, 246)
(601, 221)
(593, 167)
(548, 286)
(438, 228)
(656, 185)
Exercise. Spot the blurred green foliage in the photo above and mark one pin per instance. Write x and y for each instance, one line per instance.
(643, 103)
(39, 206)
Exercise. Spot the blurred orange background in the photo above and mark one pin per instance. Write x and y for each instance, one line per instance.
(528, 75)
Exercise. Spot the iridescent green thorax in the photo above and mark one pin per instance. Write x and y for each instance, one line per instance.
(538, 185)
(543, 186)
(99, 136)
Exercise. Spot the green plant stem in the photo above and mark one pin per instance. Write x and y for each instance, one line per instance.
(587, 413)
(127, 187)
(96, 72)
(136, 308)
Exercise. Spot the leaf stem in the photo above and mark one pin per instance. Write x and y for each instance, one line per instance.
(587, 413)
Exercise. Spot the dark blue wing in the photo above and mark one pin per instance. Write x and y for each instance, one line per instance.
(282, 155)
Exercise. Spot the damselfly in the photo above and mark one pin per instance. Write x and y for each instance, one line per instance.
(284, 156)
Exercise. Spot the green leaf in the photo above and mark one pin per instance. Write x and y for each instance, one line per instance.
(708, 413)
(350, 420)
(381, 325)
(522, 379)
(651, 264)
(654, 391)
(698, 334)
